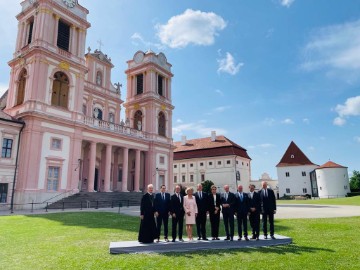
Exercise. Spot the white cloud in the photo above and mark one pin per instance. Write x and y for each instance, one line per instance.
(269, 121)
(335, 47)
(3, 88)
(288, 121)
(179, 121)
(338, 121)
(286, 3)
(138, 38)
(191, 27)
(311, 148)
(357, 139)
(351, 107)
(228, 65)
(306, 121)
(222, 108)
(263, 145)
(199, 128)
(221, 93)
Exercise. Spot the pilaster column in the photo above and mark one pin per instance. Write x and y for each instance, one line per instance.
(137, 171)
(116, 171)
(57, 19)
(73, 38)
(92, 163)
(125, 170)
(107, 168)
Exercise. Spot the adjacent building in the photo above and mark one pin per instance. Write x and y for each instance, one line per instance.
(214, 158)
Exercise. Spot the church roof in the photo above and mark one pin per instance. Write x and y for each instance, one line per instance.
(101, 56)
(330, 164)
(204, 147)
(294, 157)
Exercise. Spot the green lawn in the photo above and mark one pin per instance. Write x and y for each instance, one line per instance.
(338, 201)
(81, 241)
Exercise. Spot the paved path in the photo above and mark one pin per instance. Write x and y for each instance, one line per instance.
(289, 211)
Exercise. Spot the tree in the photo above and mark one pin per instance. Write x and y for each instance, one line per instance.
(355, 181)
(207, 186)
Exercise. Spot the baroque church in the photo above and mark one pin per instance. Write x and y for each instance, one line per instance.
(67, 112)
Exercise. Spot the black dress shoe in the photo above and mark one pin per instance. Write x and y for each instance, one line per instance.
(173, 240)
(247, 239)
(231, 239)
(205, 239)
(158, 240)
(265, 236)
(273, 237)
(199, 238)
(227, 239)
(239, 239)
(217, 238)
(213, 238)
(253, 237)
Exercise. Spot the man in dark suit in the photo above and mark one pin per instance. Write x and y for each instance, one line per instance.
(241, 212)
(147, 231)
(203, 209)
(268, 208)
(227, 204)
(214, 212)
(177, 212)
(255, 208)
(162, 212)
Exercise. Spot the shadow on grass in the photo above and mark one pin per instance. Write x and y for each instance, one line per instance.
(280, 250)
(103, 220)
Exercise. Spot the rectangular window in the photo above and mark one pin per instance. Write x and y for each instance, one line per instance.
(160, 85)
(202, 177)
(31, 28)
(162, 160)
(219, 162)
(139, 84)
(53, 178)
(288, 190)
(183, 165)
(183, 179)
(3, 192)
(56, 144)
(175, 166)
(63, 39)
(120, 174)
(303, 173)
(210, 163)
(304, 190)
(7, 148)
(228, 162)
(287, 174)
(191, 178)
(201, 164)
(191, 165)
(175, 179)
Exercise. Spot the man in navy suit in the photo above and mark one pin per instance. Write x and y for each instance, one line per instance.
(255, 209)
(268, 208)
(203, 209)
(177, 212)
(228, 201)
(241, 211)
(162, 212)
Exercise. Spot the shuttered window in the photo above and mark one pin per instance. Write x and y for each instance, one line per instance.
(139, 84)
(63, 39)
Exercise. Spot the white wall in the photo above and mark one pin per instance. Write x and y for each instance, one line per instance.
(332, 182)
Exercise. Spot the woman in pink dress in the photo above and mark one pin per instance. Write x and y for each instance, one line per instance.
(191, 211)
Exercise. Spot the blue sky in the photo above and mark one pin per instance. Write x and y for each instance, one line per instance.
(262, 73)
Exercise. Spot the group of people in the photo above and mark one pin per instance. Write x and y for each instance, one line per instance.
(196, 206)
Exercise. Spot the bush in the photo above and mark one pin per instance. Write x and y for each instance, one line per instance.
(353, 194)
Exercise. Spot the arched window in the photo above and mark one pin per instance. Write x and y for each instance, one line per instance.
(21, 88)
(162, 124)
(99, 78)
(138, 120)
(60, 93)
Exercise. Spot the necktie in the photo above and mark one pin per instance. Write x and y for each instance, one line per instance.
(200, 195)
(226, 196)
(265, 193)
(241, 196)
(179, 197)
(163, 196)
(251, 195)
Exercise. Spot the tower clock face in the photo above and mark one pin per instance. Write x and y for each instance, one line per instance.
(70, 3)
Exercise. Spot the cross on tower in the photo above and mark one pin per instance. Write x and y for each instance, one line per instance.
(100, 44)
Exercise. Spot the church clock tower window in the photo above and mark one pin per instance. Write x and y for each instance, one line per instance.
(160, 85)
(60, 93)
(63, 39)
(30, 31)
(162, 124)
(139, 84)
(21, 88)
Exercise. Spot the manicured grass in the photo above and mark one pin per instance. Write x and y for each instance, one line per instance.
(81, 241)
(338, 201)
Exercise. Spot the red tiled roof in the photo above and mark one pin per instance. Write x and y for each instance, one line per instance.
(330, 164)
(204, 147)
(294, 157)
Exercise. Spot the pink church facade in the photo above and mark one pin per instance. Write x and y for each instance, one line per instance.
(74, 138)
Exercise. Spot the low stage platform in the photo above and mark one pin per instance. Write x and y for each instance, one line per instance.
(128, 247)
